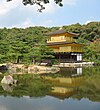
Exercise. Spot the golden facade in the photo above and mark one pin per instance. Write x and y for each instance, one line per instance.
(64, 45)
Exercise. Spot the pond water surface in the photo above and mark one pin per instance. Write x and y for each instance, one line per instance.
(69, 89)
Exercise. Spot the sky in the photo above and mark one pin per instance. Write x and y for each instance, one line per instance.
(15, 14)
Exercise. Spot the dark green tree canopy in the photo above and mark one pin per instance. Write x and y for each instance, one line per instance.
(38, 2)
(19, 45)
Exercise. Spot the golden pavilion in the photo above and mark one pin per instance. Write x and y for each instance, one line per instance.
(64, 46)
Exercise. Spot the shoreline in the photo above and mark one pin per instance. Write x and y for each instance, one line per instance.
(82, 64)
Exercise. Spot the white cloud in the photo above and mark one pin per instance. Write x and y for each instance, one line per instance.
(91, 19)
(88, 21)
(29, 23)
(5, 7)
(26, 23)
(51, 7)
(26, 16)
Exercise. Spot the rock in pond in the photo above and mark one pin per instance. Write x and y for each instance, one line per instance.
(8, 80)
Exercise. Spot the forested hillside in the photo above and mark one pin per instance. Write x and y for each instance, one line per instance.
(18, 45)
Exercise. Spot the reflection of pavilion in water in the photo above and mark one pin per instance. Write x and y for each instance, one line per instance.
(64, 87)
(70, 71)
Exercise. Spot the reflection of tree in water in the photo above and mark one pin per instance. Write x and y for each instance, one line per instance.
(57, 85)
(85, 86)
(90, 88)
(3, 69)
(32, 86)
(27, 86)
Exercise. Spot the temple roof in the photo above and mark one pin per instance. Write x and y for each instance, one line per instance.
(60, 43)
(61, 31)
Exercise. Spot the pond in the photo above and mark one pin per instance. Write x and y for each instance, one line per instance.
(69, 89)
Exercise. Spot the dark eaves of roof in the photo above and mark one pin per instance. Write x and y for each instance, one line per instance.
(60, 32)
(59, 43)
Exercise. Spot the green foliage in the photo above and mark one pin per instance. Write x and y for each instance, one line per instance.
(28, 85)
(42, 52)
(19, 45)
(89, 35)
(92, 52)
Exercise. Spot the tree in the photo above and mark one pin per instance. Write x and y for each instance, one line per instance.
(38, 2)
(19, 45)
(92, 51)
(42, 52)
